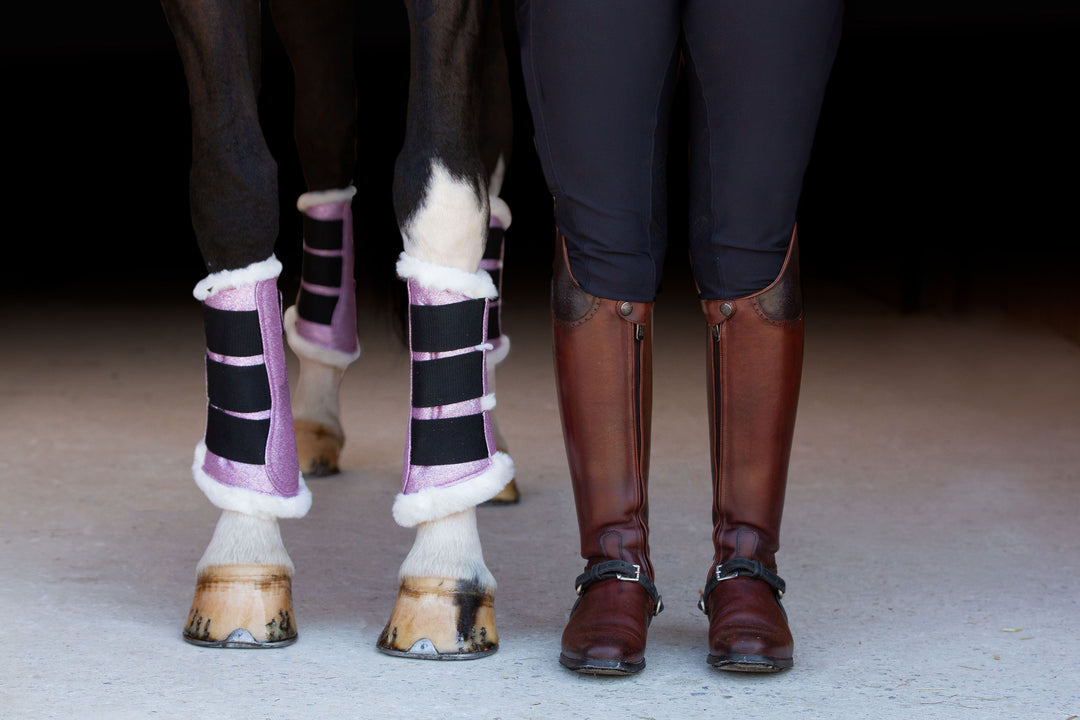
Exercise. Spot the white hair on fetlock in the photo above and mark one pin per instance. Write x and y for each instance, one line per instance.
(241, 539)
(448, 547)
(316, 394)
(449, 227)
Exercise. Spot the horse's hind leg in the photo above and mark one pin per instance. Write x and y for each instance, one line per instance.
(444, 608)
(495, 142)
(246, 463)
(318, 36)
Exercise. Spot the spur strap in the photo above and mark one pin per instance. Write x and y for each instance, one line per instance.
(741, 567)
(620, 570)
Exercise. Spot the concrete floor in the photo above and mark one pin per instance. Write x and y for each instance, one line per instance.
(930, 542)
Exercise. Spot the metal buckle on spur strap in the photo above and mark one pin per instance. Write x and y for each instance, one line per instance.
(619, 570)
(741, 567)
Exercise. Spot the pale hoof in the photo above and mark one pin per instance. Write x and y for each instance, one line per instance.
(242, 606)
(318, 447)
(509, 495)
(441, 619)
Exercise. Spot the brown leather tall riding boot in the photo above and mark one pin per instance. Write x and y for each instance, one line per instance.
(603, 368)
(755, 350)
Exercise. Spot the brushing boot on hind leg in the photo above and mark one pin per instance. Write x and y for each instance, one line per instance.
(492, 263)
(603, 368)
(321, 327)
(246, 465)
(755, 349)
(445, 604)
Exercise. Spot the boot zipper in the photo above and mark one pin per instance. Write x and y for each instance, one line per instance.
(639, 337)
(718, 424)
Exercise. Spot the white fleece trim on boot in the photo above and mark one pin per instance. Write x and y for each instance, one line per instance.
(434, 503)
(440, 277)
(246, 501)
(225, 279)
(500, 211)
(310, 351)
(321, 197)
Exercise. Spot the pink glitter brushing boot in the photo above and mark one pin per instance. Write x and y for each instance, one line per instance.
(451, 459)
(492, 263)
(321, 326)
(247, 459)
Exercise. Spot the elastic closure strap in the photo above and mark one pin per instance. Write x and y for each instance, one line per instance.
(448, 441)
(447, 380)
(442, 328)
(236, 333)
(741, 567)
(620, 570)
(323, 234)
(238, 388)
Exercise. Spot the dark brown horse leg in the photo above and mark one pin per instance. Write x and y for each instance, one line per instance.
(246, 462)
(444, 608)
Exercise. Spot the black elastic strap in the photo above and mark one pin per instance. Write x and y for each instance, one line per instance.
(447, 380)
(323, 234)
(448, 441)
(322, 270)
(493, 246)
(494, 329)
(241, 389)
(440, 328)
(316, 308)
(235, 333)
(236, 439)
(496, 276)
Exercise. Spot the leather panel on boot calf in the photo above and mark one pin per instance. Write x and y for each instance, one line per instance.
(603, 366)
(755, 350)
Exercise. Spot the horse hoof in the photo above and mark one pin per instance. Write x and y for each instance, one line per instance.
(441, 619)
(242, 606)
(509, 495)
(318, 447)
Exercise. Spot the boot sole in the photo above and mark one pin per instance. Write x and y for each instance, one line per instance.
(749, 663)
(601, 667)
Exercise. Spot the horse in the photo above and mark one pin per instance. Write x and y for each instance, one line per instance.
(260, 439)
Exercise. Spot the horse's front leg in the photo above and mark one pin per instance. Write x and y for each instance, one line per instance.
(444, 608)
(246, 462)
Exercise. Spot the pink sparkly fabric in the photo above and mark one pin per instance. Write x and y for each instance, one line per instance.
(422, 477)
(340, 334)
(280, 475)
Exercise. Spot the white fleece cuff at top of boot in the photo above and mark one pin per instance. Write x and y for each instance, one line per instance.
(440, 277)
(500, 211)
(434, 503)
(246, 501)
(310, 351)
(225, 279)
(321, 197)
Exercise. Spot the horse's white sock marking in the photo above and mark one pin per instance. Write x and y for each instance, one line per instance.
(450, 226)
(244, 539)
(448, 547)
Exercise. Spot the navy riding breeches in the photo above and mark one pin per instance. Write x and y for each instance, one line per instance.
(600, 78)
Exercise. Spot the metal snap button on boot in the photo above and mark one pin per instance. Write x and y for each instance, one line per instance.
(625, 308)
(727, 309)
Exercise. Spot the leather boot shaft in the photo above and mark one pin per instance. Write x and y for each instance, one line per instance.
(754, 369)
(603, 364)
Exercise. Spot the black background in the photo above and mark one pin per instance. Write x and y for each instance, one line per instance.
(942, 178)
